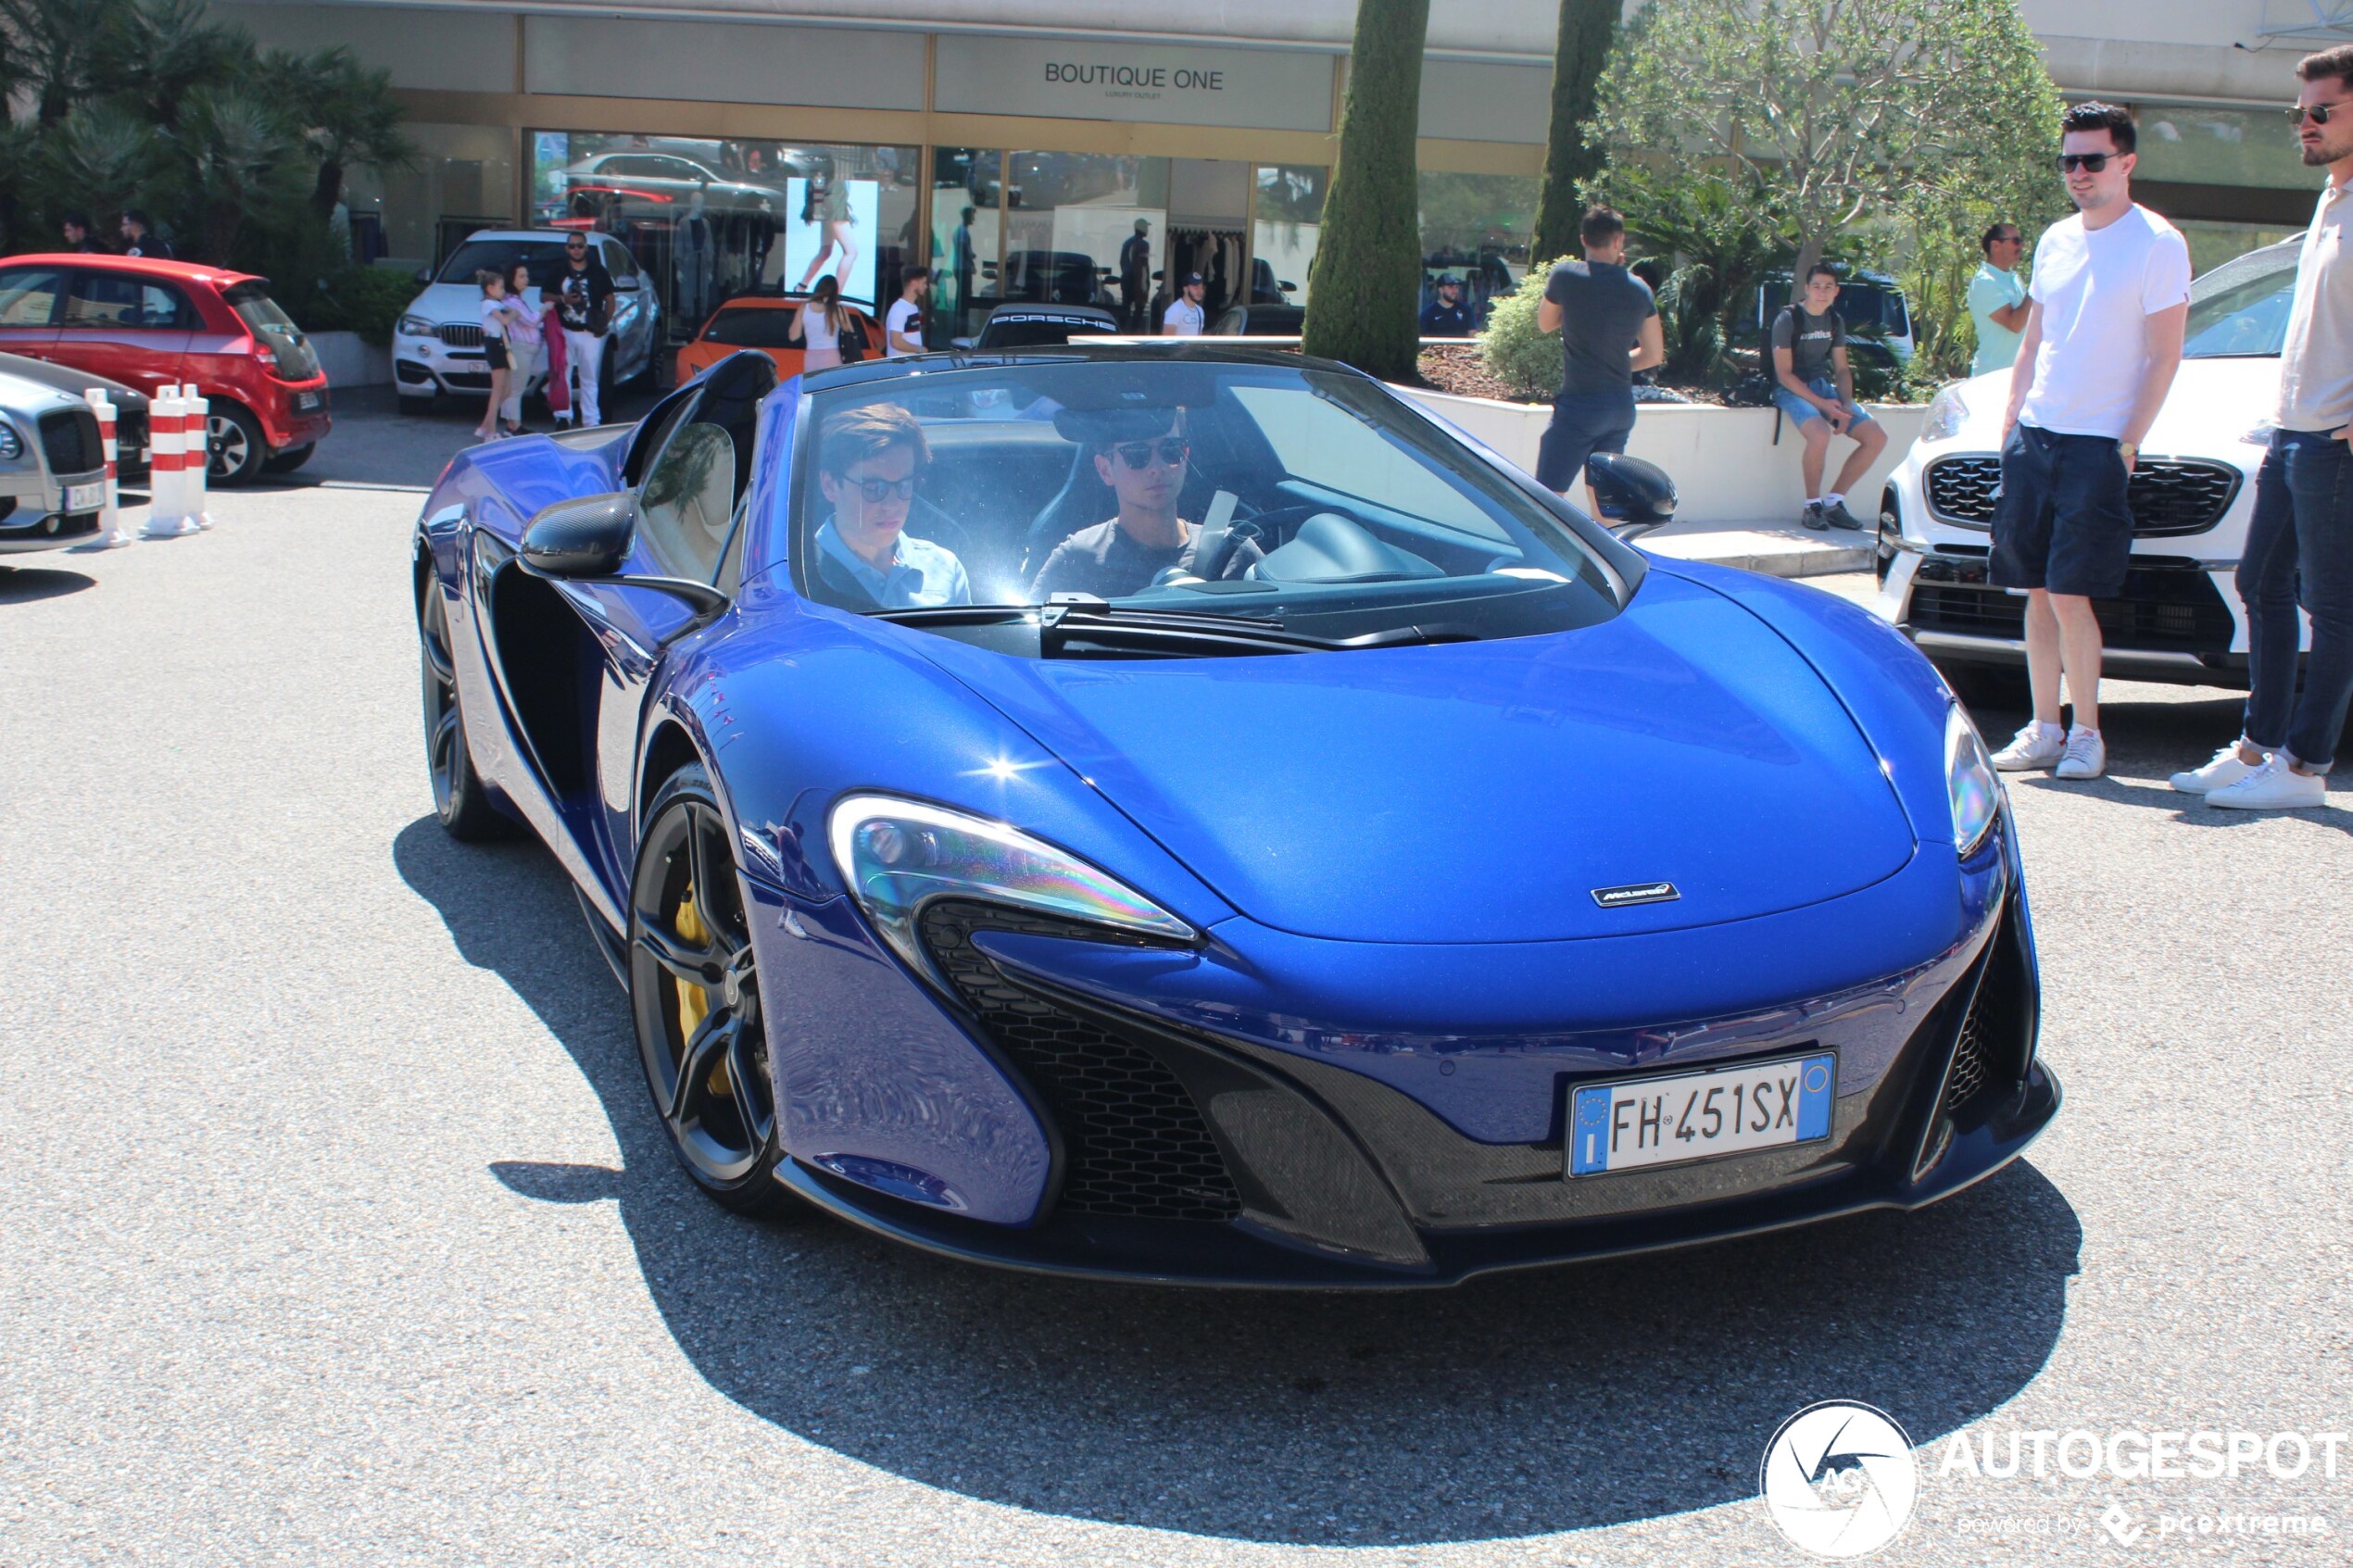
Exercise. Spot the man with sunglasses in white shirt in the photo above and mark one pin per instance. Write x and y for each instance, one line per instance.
(1143, 456)
(2110, 298)
(2299, 544)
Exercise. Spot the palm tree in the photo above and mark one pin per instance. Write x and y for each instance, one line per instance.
(347, 114)
(239, 160)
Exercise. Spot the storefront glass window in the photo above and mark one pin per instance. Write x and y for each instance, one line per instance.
(1071, 224)
(965, 185)
(462, 179)
(1286, 218)
(2213, 243)
(2194, 145)
(1478, 227)
(710, 218)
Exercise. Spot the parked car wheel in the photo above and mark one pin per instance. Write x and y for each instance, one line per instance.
(291, 458)
(459, 797)
(236, 446)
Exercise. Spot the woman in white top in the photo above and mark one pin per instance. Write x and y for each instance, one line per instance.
(819, 320)
(494, 348)
(526, 345)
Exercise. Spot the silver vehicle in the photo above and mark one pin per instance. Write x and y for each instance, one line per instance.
(53, 471)
(612, 188)
(436, 344)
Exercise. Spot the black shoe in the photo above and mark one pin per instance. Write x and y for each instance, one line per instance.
(1839, 517)
(1813, 517)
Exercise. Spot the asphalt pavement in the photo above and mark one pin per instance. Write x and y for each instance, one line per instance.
(335, 1226)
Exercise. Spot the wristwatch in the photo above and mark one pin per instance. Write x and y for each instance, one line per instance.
(2129, 450)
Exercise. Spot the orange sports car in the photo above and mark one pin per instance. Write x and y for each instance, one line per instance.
(763, 321)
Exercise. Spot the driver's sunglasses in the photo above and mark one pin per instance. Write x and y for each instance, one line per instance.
(577, 247)
(2091, 163)
(877, 491)
(1171, 450)
(2317, 113)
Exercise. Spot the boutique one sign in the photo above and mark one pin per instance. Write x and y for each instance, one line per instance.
(1271, 89)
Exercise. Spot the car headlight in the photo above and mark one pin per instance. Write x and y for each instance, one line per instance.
(415, 326)
(11, 444)
(896, 855)
(1947, 412)
(1970, 784)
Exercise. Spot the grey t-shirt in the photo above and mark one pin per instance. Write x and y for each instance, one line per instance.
(1602, 308)
(1809, 339)
(1105, 559)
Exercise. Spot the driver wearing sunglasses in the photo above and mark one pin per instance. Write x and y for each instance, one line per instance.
(1143, 456)
(870, 462)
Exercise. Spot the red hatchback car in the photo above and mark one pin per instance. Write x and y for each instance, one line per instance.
(151, 324)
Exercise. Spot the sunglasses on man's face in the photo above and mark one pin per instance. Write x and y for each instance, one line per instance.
(1172, 450)
(2317, 113)
(2090, 163)
(874, 492)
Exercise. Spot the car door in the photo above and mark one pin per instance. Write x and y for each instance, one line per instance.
(131, 329)
(31, 299)
(633, 310)
(688, 506)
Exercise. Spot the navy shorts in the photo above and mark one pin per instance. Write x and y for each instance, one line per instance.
(2064, 522)
(1580, 427)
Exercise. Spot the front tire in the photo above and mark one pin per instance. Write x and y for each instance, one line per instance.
(235, 448)
(460, 798)
(694, 992)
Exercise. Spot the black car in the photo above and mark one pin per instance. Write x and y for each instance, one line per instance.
(1033, 326)
(130, 404)
(1261, 320)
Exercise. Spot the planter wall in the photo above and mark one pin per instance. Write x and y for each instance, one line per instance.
(1727, 467)
(349, 361)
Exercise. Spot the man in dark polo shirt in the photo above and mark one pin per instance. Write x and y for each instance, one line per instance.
(1143, 457)
(1447, 316)
(1609, 329)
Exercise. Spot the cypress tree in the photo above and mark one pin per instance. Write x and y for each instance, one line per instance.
(1364, 294)
(1572, 148)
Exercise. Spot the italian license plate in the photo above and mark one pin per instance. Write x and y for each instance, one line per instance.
(1640, 1121)
(85, 497)
(306, 401)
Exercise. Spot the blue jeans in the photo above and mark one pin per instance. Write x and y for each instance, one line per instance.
(2299, 547)
(1800, 411)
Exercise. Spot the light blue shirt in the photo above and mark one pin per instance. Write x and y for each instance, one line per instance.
(1993, 290)
(921, 573)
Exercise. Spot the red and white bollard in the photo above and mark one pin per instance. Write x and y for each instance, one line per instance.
(112, 535)
(195, 425)
(167, 461)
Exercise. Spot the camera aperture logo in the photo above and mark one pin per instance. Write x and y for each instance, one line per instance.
(1838, 1479)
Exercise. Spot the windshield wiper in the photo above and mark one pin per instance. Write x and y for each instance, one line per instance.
(1075, 630)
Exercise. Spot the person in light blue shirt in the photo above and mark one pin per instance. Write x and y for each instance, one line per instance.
(869, 462)
(1998, 300)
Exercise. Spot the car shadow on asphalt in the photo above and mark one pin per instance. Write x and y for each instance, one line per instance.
(24, 584)
(1513, 1406)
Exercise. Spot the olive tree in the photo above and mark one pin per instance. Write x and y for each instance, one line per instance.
(1849, 111)
(1363, 292)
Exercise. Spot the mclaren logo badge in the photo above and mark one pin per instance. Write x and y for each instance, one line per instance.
(1636, 893)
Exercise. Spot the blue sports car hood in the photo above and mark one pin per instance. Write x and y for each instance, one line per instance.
(1483, 791)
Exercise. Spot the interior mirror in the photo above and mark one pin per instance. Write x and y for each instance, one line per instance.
(588, 537)
(1635, 497)
(961, 341)
(1288, 287)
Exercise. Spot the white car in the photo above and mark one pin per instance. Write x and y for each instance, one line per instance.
(2193, 493)
(436, 345)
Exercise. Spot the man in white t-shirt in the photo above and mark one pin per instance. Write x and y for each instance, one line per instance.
(2110, 296)
(1184, 317)
(903, 328)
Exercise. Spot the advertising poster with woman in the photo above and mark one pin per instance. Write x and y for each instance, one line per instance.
(832, 228)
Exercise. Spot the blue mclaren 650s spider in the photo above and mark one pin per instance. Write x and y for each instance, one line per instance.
(1191, 814)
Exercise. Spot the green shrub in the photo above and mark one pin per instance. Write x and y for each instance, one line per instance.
(367, 300)
(1519, 354)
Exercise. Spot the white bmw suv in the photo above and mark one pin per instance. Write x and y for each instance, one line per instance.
(2193, 492)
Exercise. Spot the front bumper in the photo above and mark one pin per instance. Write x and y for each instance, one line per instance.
(32, 514)
(1266, 1153)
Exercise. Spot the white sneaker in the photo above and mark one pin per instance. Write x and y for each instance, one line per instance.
(2085, 756)
(2274, 786)
(2227, 767)
(2030, 750)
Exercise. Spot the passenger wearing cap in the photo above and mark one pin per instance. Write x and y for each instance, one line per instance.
(1143, 456)
(1185, 317)
(1447, 316)
(868, 461)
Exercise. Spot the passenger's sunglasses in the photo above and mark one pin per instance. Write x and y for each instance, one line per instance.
(1172, 450)
(577, 249)
(2091, 163)
(2317, 113)
(877, 491)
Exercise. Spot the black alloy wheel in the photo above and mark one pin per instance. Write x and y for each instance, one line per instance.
(460, 798)
(235, 450)
(694, 990)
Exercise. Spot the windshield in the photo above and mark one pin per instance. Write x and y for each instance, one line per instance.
(1310, 502)
(2240, 308)
(499, 256)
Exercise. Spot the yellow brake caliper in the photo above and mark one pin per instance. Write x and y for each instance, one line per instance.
(694, 1001)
